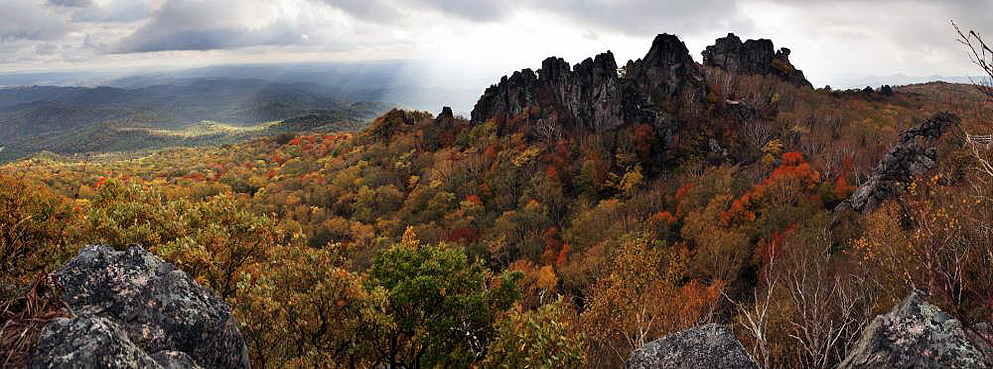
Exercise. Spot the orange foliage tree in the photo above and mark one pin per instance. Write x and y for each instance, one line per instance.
(643, 298)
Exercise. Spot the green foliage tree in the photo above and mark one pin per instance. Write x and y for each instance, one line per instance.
(438, 307)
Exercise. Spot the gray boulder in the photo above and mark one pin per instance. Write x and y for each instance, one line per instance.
(174, 360)
(131, 300)
(95, 342)
(91, 342)
(706, 346)
(915, 334)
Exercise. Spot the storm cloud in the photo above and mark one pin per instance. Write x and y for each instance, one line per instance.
(830, 39)
(72, 3)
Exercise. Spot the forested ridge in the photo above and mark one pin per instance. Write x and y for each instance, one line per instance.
(508, 241)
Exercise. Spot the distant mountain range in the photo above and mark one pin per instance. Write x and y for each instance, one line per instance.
(86, 119)
(900, 80)
(398, 82)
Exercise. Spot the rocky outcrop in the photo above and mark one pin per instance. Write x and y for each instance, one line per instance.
(753, 57)
(915, 334)
(914, 154)
(707, 346)
(132, 309)
(593, 95)
(445, 115)
(588, 95)
(667, 71)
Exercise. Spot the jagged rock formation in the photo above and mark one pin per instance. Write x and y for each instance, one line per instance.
(445, 115)
(913, 155)
(752, 57)
(132, 309)
(707, 346)
(588, 96)
(666, 71)
(915, 334)
(593, 95)
(661, 89)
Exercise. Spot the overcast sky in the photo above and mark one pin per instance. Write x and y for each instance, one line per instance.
(830, 40)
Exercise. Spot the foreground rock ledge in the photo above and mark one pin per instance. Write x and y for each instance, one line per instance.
(133, 310)
(915, 334)
(706, 346)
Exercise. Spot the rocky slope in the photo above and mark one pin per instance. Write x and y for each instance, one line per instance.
(133, 310)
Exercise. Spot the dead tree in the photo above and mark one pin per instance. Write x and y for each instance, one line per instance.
(982, 56)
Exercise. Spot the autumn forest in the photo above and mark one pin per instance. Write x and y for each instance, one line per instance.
(535, 234)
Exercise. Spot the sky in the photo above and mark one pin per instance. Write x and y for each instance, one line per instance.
(831, 41)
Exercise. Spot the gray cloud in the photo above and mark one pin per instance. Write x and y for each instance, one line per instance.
(649, 17)
(828, 38)
(391, 11)
(628, 16)
(200, 25)
(472, 10)
(147, 40)
(374, 10)
(193, 25)
(113, 11)
(71, 3)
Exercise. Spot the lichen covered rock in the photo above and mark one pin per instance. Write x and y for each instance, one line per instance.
(174, 360)
(88, 342)
(915, 334)
(707, 346)
(133, 300)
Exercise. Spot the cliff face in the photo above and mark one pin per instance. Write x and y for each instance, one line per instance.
(752, 57)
